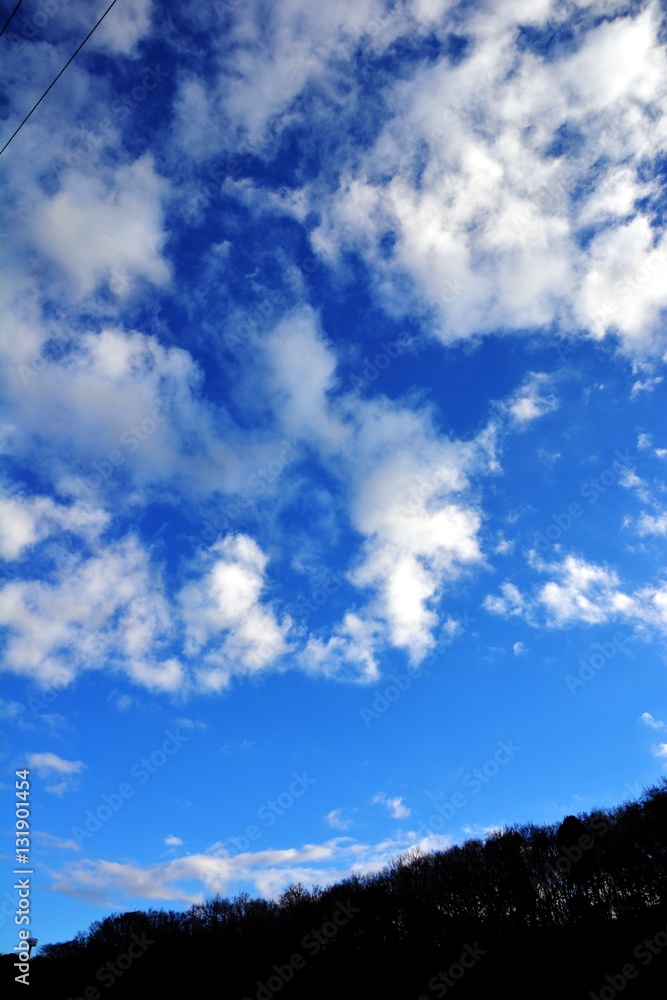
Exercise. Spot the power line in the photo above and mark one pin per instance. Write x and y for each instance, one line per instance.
(10, 17)
(58, 77)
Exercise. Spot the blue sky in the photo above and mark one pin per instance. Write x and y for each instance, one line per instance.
(335, 452)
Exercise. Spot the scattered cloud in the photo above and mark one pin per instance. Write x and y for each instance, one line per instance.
(48, 765)
(648, 720)
(581, 593)
(395, 805)
(49, 840)
(338, 820)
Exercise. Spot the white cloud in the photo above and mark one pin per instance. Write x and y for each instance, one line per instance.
(519, 649)
(582, 593)
(45, 763)
(28, 520)
(338, 820)
(185, 723)
(585, 592)
(225, 620)
(479, 830)
(511, 603)
(120, 31)
(408, 493)
(164, 437)
(529, 402)
(660, 750)
(273, 55)
(49, 840)
(10, 710)
(647, 385)
(348, 654)
(107, 229)
(648, 720)
(395, 805)
(172, 841)
(50, 764)
(53, 634)
(216, 871)
(486, 218)
(645, 443)
(649, 524)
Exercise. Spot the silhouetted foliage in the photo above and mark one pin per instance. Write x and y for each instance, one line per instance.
(544, 911)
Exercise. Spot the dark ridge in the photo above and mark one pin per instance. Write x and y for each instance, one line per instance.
(576, 909)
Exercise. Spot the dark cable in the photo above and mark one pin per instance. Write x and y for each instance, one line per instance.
(10, 17)
(58, 77)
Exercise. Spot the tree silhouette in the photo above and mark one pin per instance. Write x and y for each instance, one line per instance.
(574, 898)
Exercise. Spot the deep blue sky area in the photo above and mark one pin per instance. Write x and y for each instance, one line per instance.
(335, 453)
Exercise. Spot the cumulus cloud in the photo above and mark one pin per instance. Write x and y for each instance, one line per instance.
(107, 230)
(53, 634)
(409, 496)
(648, 720)
(350, 653)
(49, 840)
(191, 878)
(395, 806)
(49, 765)
(582, 593)
(482, 174)
(45, 763)
(225, 619)
(530, 401)
(649, 524)
(337, 819)
(147, 421)
(28, 520)
(509, 602)
(120, 33)
(10, 710)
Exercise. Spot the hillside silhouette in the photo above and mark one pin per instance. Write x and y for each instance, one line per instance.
(576, 909)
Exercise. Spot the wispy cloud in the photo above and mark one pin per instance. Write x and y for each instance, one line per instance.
(397, 810)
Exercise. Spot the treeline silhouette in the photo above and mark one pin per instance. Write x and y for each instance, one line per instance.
(575, 909)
